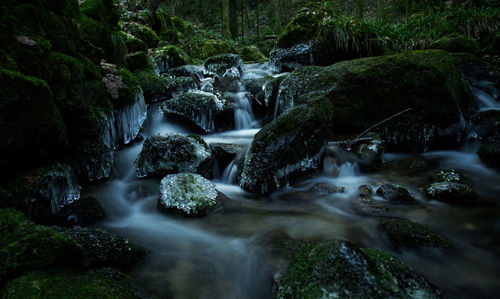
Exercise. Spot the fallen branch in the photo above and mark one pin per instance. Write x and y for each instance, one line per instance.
(381, 122)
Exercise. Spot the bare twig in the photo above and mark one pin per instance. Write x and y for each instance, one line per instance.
(381, 122)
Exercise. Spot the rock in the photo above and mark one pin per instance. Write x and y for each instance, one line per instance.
(403, 233)
(325, 188)
(256, 88)
(224, 153)
(490, 151)
(169, 57)
(172, 153)
(339, 269)
(82, 212)
(456, 44)
(370, 154)
(135, 45)
(451, 192)
(103, 249)
(93, 161)
(290, 59)
(396, 194)
(219, 64)
(448, 175)
(26, 246)
(302, 133)
(487, 124)
(365, 191)
(252, 54)
(216, 47)
(144, 33)
(202, 109)
(41, 135)
(104, 283)
(188, 194)
(161, 88)
(138, 60)
(370, 90)
(43, 192)
(230, 80)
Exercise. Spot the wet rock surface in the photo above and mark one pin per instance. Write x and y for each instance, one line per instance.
(451, 192)
(396, 194)
(403, 233)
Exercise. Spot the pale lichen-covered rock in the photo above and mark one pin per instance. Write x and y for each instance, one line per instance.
(188, 194)
(451, 192)
(172, 153)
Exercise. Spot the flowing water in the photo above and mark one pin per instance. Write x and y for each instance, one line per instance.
(232, 254)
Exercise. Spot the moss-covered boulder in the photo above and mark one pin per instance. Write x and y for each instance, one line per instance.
(366, 91)
(42, 193)
(404, 233)
(41, 135)
(214, 47)
(104, 283)
(158, 88)
(200, 108)
(138, 60)
(490, 151)
(451, 192)
(302, 133)
(224, 153)
(257, 88)
(396, 194)
(339, 269)
(188, 194)
(169, 57)
(26, 246)
(221, 63)
(103, 249)
(456, 44)
(252, 54)
(172, 153)
(135, 45)
(142, 32)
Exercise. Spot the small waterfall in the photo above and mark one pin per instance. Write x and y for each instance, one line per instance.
(485, 101)
(348, 169)
(230, 173)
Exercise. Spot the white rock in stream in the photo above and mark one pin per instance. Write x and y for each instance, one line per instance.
(187, 193)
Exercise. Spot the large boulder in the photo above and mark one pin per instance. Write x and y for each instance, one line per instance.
(200, 108)
(188, 194)
(456, 44)
(26, 246)
(366, 91)
(404, 233)
(161, 88)
(32, 127)
(301, 133)
(103, 283)
(339, 269)
(172, 153)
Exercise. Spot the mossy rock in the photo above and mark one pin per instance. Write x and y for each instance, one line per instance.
(456, 44)
(366, 91)
(214, 47)
(165, 26)
(103, 249)
(104, 283)
(138, 60)
(449, 175)
(188, 194)
(101, 10)
(82, 212)
(219, 64)
(252, 54)
(32, 127)
(157, 88)
(135, 45)
(403, 233)
(144, 33)
(339, 269)
(169, 57)
(26, 246)
(302, 133)
(490, 151)
(396, 194)
(172, 153)
(451, 192)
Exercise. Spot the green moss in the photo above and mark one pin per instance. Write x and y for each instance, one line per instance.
(101, 10)
(173, 55)
(216, 47)
(144, 33)
(105, 283)
(28, 99)
(456, 44)
(251, 54)
(136, 45)
(404, 233)
(167, 29)
(26, 246)
(138, 60)
(158, 88)
(179, 24)
(127, 95)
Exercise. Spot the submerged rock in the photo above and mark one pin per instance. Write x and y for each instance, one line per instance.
(365, 191)
(451, 192)
(403, 233)
(188, 194)
(103, 283)
(219, 64)
(198, 107)
(26, 246)
(395, 194)
(172, 153)
(103, 249)
(490, 151)
(339, 269)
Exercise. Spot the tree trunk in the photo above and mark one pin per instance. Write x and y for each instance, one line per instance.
(233, 18)
(258, 22)
(224, 12)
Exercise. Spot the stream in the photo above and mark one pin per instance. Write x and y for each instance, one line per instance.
(231, 254)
